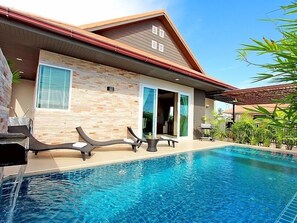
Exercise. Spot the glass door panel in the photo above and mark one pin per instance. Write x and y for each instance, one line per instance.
(149, 112)
(184, 115)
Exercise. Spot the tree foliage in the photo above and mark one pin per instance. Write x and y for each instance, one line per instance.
(281, 68)
(16, 76)
(282, 52)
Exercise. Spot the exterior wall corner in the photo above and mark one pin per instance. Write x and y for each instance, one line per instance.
(5, 92)
(199, 112)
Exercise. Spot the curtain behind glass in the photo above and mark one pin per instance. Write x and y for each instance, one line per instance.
(43, 87)
(184, 108)
(148, 110)
(53, 88)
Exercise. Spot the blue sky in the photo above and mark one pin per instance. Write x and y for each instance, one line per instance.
(213, 29)
(216, 29)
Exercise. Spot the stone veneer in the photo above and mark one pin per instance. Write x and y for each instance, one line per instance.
(102, 114)
(5, 92)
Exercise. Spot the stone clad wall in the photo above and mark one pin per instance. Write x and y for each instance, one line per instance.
(5, 92)
(102, 114)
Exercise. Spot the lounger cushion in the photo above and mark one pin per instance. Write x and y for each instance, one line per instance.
(79, 144)
(129, 140)
(167, 138)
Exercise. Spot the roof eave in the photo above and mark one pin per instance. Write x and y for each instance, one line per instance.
(49, 26)
(121, 21)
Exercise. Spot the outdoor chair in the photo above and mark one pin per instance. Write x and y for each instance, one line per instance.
(95, 143)
(37, 146)
(162, 138)
(206, 131)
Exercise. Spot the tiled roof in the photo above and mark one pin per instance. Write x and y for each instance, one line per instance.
(240, 109)
(256, 95)
(121, 21)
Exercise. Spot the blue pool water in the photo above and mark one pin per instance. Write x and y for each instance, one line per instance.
(229, 184)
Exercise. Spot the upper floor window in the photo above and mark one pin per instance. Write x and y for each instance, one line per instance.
(154, 44)
(161, 47)
(155, 30)
(53, 88)
(161, 33)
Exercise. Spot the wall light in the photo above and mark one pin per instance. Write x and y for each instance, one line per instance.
(206, 106)
(110, 88)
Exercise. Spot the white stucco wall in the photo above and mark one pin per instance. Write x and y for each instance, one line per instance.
(209, 108)
(22, 99)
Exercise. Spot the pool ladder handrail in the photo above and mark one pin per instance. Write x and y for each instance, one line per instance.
(289, 214)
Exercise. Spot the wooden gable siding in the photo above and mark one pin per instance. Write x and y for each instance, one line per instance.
(140, 36)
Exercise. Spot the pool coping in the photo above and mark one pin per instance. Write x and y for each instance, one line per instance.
(118, 161)
(145, 155)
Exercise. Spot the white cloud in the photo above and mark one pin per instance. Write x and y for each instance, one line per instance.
(86, 11)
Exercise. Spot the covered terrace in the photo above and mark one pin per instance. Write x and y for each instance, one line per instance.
(254, 96)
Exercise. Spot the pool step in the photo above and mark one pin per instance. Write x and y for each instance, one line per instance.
(289, 214)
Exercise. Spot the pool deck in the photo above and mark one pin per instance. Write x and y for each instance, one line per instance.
(61, 160)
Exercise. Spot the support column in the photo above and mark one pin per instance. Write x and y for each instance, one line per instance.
(199, 112)
(233, 113)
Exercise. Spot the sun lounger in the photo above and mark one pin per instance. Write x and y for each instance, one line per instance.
(162, 138)
(37, 146)
(95, 143)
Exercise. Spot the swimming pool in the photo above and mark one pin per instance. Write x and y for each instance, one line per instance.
(229, 184)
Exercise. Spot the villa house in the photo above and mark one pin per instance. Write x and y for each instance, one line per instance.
(134, 71)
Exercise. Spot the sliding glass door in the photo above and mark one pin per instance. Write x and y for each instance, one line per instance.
(149, 112)
(173, 112)
(184, 115)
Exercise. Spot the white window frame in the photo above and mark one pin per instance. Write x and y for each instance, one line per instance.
(70, 88)
(141, 91)
(155, 30)
(161, 47)
(161, 33)
(154, 44)
(157, 88)
(178, 118)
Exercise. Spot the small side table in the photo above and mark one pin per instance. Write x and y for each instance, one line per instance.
(152, 145)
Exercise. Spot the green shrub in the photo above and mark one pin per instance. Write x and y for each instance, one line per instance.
(243, 129)
(290, 142)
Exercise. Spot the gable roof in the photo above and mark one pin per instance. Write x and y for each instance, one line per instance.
(158, 14)
(74, 33)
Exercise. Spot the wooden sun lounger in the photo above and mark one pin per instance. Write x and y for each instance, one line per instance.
(95, 143)
(37, 146)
